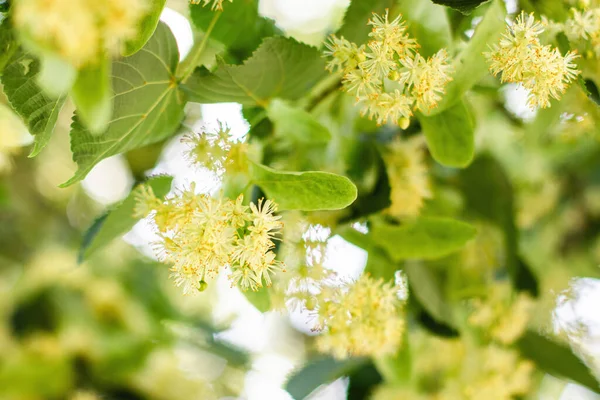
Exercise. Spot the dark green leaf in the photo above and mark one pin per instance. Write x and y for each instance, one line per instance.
(146, 28)
(38, 111)
(119, 220)
(307, 191)
(296, 124)
(489, 195)
(8, 44)
(590, 89)
(320, 372)
(147, 105)
(92, 95)
(355, 27)
(450, 135)
(556, 359)
(281, 67)
(464, 6)
(423, 238)
(239, 27)
(470, 66)
(426, 287)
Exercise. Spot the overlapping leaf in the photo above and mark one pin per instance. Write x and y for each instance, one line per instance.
(119, 219)
(489, 195)
(450, 135)
(38, 111)
(464, 6)
(147, 105)
(470, 66)
(281, 67)
(355, 27)
(146, 29)
(424, 238)
(320, 372)
(239, 26)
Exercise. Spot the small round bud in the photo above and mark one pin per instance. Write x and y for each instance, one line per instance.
(202, 285)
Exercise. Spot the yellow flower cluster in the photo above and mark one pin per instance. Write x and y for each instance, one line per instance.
(584, 26)
(78, 31)
(388, 76)
(501, 316)
(200, 235)
(464, 372)
(365, 319)
(520, 58)
(408, 177)
(216, 4)
(501, 374)
(217, 151)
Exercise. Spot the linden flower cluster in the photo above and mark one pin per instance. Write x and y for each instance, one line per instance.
(216, 4)
(521, 58)
(501, 375)
(217, 151)
(364, 319)
(408, 176)
(200, 235)
(388, 77)
(79, 30)
(505, 319)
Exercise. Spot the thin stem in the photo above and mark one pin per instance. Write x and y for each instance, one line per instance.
(192, 60)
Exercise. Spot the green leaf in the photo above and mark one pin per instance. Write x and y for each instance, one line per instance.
(424, 238)
(489, 195)
(470, 66)
(355, 27)
(590, 89)
(92, 95)
(464, 6)
(146, 28)
(307, 191)
(8, 44)
(261, 299)
(426, 287)
(281, 67)
(450, 135)
(147, 105)
(239, 27)
(319, 372)
(428, 23)
(556, 359)
(119, 219)
(296, 124)
(38, 111)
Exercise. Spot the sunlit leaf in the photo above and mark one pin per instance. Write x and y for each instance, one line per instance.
(307, 191)
(296, 124)
(281, 67)
(147, 105)
(146, 28)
